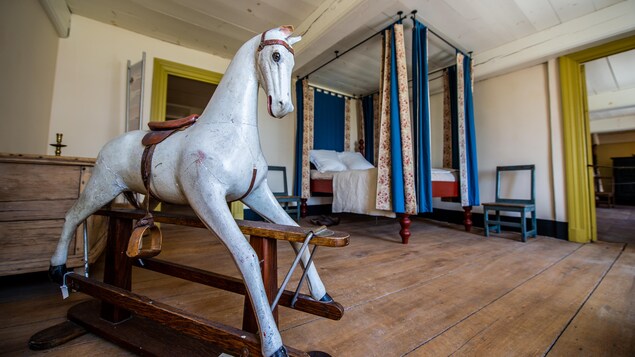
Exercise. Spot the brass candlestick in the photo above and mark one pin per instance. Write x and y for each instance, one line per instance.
(58, 145)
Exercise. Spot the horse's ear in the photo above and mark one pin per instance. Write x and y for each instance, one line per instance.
(294, 39)
(287, 30)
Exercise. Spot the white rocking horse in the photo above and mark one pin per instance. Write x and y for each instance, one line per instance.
(215, 161)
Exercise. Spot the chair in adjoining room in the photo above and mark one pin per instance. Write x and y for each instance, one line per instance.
(277, 180)
(507, 204)
(604, 190)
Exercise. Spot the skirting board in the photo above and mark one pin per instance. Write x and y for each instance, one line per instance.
(546, 227)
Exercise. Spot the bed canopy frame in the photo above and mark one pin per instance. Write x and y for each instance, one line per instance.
(405, 187)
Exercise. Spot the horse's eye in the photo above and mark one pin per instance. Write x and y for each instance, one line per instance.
(276, 57)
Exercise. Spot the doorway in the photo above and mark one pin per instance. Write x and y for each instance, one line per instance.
(579, 170)
(186, 97)
(180, 90)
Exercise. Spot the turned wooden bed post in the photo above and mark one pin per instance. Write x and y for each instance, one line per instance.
(467, 218)
(404, 221)
(304, 209)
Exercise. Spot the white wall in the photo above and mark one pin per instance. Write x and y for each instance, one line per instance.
(90, 90)
(277, 138)
(514, 124)
(28, 50)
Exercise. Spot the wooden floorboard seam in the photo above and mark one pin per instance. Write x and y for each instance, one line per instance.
(586, 299)
(429, 280)
(496, 299)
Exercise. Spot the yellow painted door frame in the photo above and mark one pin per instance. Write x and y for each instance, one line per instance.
(577, 138)
(163, 68)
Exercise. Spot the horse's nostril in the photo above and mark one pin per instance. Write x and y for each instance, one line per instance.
(281, 103)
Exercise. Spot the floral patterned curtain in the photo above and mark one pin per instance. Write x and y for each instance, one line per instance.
(361, 129)
(395, 181)
(459, 137)
(307, 137)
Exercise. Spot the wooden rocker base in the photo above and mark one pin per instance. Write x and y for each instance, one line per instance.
(56, 336)
(140, 335)
(149, 327)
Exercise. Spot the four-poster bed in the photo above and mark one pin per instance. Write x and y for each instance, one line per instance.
(445, 184)
(397, 143)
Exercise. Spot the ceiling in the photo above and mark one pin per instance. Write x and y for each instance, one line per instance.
(611, 86)
(220, 27)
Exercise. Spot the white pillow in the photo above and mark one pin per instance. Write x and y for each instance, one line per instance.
(326, 160)
(354, 160)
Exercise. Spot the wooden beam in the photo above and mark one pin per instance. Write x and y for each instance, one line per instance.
(610, 125)
(612, 100)
(321, 20)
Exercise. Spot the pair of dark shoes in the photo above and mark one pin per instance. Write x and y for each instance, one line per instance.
(325, 221)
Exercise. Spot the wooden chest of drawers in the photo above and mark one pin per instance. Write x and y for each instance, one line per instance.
(35, 193)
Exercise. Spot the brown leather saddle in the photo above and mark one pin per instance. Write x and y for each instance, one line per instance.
(145, 229)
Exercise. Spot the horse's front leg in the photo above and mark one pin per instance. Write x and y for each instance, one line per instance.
(262, 200)
(208, 201)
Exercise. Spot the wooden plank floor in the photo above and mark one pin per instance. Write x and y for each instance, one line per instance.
(446, 292)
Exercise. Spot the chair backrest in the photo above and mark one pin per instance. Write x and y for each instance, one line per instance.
(277, 179)
(604, 184)
(504, 169)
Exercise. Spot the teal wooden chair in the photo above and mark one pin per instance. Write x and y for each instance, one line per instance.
(522, 206)
(277, 180)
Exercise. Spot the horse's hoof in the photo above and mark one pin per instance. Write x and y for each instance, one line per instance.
(56, 273)
(281, 352)
(326, 298)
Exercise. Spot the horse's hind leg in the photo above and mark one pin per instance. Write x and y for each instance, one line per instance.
(102, 187)
(265, 204)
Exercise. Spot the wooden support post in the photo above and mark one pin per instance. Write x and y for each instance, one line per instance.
(118, 268)
(467, 218)
(267, 251)
(404, 221)
(304, 208)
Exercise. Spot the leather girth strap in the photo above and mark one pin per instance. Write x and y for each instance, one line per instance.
(251, 184)
(145, 227)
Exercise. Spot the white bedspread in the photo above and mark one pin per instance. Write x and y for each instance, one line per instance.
(355, 190)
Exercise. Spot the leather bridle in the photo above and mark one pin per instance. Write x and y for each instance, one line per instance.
(264, 43)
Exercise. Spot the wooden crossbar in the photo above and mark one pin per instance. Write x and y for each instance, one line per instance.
(331, 310)
(260, 229)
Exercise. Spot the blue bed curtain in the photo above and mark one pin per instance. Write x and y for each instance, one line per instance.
(421, 122)
(325, 129)
(470, 136)
(299, 134)
(369, 125)
(328, 122)
(398, 193)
